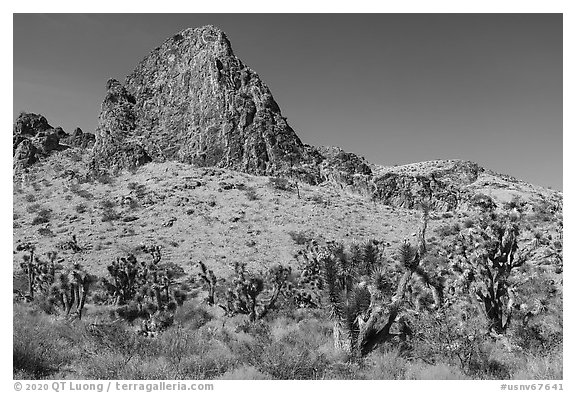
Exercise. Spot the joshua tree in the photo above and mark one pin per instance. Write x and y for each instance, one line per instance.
(70, 289)
(244, 296)
(209, 278)
(490, 254)
(40, 274)
(364, 310)
(144, 290)
(28, 266)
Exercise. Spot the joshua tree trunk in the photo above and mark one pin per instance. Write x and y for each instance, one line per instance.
(31, 275)
(342, 340)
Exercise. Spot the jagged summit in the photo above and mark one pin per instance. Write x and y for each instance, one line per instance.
(192, 100)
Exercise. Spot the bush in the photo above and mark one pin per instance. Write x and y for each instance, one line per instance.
(38, 351)
(280, 183)
(447, 230)
(385, 365)
(300, 238)
(251, 194)
(108, 211)
(244, 372)
(483, 202)
(433, 372)
(43, 217)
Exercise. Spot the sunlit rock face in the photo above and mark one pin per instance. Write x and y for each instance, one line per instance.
(192, 100)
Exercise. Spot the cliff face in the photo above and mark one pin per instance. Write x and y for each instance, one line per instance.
(117, 144)
(192, 100)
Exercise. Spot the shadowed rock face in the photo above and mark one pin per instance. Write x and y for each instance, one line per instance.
(192, 100)
(117, 146)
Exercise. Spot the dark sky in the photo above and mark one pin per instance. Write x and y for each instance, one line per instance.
(394, 88)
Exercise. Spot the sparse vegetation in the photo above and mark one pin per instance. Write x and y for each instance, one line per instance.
(349, 308)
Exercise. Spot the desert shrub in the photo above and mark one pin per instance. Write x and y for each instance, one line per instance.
(251, 194)
(33, 208)
(244, 372)
(424, 371)
(139, 190)
(85, 194)
(133, 185)
(30, 198)
(280, 183)
(108, 211)
(544, 211)
(192, 315)
(541, 367)
(319, 199)
(468, 223)
(107, 204)
(104, 178)
(103, 365)
(76, 189)
(42, 217)
(483, 202)
(38, 352)
(300, 238)
(516, 203)
(385, 365)
(110, 215)
(81, 208)
(46, 232)
(447, 230)
(292, 357)
(198, 354)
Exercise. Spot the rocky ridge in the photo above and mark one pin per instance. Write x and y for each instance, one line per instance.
(191, 100)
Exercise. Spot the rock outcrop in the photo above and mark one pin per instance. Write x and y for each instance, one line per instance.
(83, 140)
(192, 100)
(440, 184)
(33, 138)
(117, 145)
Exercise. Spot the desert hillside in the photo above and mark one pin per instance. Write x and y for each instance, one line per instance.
(194, 236)
(220, 216)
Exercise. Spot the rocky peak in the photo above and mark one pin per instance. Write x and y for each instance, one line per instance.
(192, 100)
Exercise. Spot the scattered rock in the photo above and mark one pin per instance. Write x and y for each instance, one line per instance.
(170, 222)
